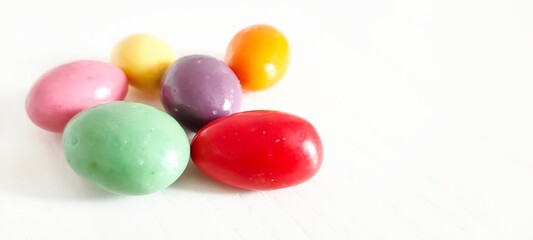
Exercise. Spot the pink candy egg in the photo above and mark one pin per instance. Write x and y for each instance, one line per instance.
(68, 89)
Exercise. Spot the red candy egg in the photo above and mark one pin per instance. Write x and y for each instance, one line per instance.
(258, 150)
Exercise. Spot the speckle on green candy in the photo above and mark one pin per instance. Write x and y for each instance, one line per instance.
(126, 148)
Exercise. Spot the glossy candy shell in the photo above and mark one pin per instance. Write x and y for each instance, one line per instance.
(198, 89)
(144, 58)
(259, 55)
(68, 89)
(126, 148)
(258, 150)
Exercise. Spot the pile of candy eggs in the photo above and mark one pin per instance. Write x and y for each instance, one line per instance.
(133, 148)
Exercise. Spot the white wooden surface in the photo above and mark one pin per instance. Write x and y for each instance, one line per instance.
(425, 108)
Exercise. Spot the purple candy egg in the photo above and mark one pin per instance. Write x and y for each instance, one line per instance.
(198, 89)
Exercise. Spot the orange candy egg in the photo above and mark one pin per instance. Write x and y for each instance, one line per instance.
(259, 56)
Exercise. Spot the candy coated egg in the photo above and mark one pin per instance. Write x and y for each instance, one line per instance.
(258, 150)
(144, 58)
(126, 148)
(68, 89)
(198, 89)
(259, 56)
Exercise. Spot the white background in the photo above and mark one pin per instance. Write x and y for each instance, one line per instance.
(424, 107)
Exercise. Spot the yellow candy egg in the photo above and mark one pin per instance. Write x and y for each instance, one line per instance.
(144, 58)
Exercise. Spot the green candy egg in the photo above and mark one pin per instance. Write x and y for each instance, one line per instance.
(126, 148)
